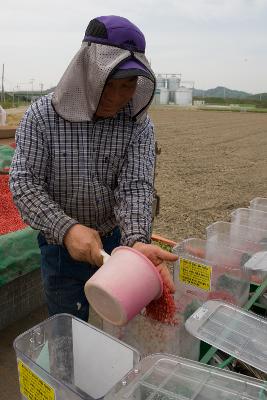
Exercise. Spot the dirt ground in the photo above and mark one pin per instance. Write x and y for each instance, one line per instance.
(211, 163)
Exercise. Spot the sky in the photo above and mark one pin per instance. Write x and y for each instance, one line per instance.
(210, 42)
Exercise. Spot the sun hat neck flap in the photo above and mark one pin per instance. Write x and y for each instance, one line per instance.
(78, 92)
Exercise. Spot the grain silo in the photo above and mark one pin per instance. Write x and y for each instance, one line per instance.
(160, 81)
(164, 96)
(156, 98)
(183, 96)
(173, 82)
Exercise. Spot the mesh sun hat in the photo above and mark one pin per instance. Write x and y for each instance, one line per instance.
(113, 47)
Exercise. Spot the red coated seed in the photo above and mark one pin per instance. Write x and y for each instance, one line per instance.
(10, 219)
(163, 309)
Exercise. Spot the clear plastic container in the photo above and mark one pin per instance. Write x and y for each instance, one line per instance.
(149, 336)
(69, 359)
(163, 377)
(237, 236)
(248, 240)
(208, 271)
(237, 332)
(259, 203)
(250, 217)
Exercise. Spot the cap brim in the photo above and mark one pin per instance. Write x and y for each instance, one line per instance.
(131, 68)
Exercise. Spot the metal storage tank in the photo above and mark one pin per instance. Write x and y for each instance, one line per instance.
(183, 96)
(173, 84)
(164, 96)
(160, 82)
(156, 98)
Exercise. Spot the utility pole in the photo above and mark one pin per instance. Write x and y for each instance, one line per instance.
(3, 91)
(18, 93)
(41, 87)
(31, 82)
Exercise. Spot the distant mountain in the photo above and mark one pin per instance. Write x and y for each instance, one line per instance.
(259, 96)
(221, 91)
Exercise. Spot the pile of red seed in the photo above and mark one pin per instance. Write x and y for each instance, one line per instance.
(10, 219)
(163, 309)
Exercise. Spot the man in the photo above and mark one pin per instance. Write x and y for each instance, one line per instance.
(83, 169)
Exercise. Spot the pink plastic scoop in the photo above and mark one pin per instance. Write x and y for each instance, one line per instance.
(123, 286)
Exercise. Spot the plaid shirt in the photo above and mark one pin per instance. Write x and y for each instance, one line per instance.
(99, 174)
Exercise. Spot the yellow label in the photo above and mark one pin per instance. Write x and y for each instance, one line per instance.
(195, 274)
(33, 387)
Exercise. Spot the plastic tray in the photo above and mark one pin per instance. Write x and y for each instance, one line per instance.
(165, 377)
(259, 203)
(250, 217)
(66, 358)
(248, 240)
(237, 236)
(207, 271)
(239, 333)
(149, 336)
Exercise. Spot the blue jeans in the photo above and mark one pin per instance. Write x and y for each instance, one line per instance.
(64, 278)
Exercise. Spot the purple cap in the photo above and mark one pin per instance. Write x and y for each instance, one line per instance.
(131, 68)
(115, 31)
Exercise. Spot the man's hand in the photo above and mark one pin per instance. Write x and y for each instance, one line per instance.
(158, 257)
(84, 244)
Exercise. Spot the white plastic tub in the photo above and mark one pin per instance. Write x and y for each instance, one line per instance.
(239, 237)
(249, 240)
(64, 358)
(208, 271)
(163, 377)
(250, 217)
(259, 203)
(149, 336)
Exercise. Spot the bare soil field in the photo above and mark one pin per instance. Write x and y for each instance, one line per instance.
(211, 163)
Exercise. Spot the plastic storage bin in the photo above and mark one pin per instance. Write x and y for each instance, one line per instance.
(149, 336)
(163, 377)
(250, 217)
(207, 271)
(259, 203)
(64, 358)
(240, 237)
(239, 333)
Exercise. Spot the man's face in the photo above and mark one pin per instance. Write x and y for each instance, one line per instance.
(116, 94)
